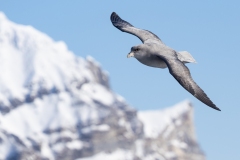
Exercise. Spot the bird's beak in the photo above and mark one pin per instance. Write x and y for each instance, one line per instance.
(131, 54)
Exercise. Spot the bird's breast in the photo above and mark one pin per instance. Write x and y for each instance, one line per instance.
(152, 61)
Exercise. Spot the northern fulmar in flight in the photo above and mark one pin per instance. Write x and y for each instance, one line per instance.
(154, 53)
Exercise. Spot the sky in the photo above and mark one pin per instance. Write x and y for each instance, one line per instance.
(210, 31)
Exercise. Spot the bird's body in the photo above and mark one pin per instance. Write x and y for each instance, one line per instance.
(154, 53)
(151, 55)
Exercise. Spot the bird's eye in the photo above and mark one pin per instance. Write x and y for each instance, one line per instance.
(136, 49)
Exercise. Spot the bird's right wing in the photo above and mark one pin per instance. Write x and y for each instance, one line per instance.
(124, 26)
(182, 74)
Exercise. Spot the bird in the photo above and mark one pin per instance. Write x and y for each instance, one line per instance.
(154, 53)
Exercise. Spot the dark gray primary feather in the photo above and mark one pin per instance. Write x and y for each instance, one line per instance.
(182, 74)
(124, 26)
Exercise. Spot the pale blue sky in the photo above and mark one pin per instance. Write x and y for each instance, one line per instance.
(210, 31)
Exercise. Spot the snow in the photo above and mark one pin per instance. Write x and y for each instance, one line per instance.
(75, 145)
(2, 16)
(156, 121)
(36, 61)
(58, 147)
(95, 91)
(179, 144)
(101, 128)
(154, 156)
(46, 151)
(118, 154)
(32, 62)
(35, 117)
(122, 122)
(91, 59)
(139, 148)
(170, 155)
(169, 129)
(63, 89)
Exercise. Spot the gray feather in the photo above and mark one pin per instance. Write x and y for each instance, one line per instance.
(182, 74)
(124, 26)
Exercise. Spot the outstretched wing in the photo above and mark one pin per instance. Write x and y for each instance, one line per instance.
(182, 74)
(124, 26)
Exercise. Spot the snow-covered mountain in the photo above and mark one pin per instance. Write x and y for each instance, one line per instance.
(57, 106)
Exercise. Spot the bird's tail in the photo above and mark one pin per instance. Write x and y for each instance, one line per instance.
(185, 57)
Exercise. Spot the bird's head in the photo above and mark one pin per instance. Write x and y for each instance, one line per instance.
(136, 51)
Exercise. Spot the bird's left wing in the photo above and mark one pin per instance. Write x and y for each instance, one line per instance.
(124, 26)
(182, 74)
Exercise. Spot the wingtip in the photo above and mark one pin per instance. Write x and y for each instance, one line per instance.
(216, 108)
(118, 22)
(114, 14)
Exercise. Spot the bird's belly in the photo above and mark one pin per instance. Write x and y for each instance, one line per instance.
(153, 62)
